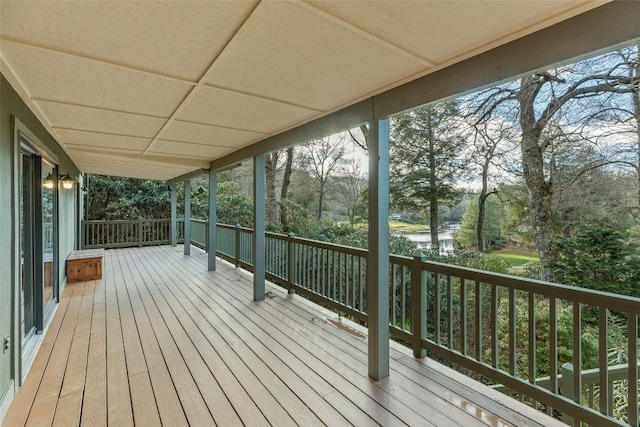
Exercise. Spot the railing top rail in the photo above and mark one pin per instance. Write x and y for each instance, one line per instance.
(124, 221)
(203, 221)
(617, 302)
(332, 246)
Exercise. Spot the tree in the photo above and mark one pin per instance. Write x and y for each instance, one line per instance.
(284, 190)
(426, 159)
(567, 97)
(492, 142)
(271, 168)
(126, 198)
(600, 258)
(321, 158)
(492, 236)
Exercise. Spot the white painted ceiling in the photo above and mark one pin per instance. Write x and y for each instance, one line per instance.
(158, 89)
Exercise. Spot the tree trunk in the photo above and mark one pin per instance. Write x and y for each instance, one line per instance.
(433, 223)
(480, 227)
(284, 191)
(540, 193)
(270, 165)
(481, 203)
(433, 203)
(540, 190)
(320, 200)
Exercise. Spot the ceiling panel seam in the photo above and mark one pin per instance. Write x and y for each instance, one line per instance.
(189, 122)
(350, 26)
(90, 107)
(100, 132)
(265, 98)
(198, 143)
(204, 76)
(101, 61)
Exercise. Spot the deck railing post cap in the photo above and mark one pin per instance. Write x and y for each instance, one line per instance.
(292, 234)
(420, 256)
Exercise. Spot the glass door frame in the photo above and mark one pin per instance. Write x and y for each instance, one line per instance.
(26, 143)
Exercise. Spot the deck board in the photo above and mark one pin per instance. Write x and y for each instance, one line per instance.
(162, 341)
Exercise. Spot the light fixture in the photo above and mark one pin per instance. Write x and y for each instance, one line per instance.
(48, 181)
(67, 182)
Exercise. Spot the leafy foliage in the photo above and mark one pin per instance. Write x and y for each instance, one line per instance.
(496, 214)
(600, 258)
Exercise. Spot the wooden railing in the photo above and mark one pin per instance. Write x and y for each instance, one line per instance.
(591, 392)
(127, 233)
(470, 318)
(199, 233)
(485, 322)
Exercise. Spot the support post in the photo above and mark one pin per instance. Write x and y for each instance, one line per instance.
(259, 238)
(378, 256)
(211, 229)
(174, 219)
(140, 232)
(418, 305)
(187, 217)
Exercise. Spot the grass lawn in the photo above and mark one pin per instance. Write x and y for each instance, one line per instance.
(406, 227)
(518, 258)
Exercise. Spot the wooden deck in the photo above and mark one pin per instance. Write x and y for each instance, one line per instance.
(161, 341)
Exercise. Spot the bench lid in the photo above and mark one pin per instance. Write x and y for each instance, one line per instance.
(86, 253)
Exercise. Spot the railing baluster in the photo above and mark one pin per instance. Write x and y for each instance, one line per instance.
(605, 402)
(577, 356)
(337, 277)
(360, 290)
(418, 305)
(553, 349)
(350, 286)
(463, 316)
(236, 252)
(512, 331)
(403, 298)
(532, 338)
(394, 292)
(449, 312)
(633, 369)
(478, 320)
(438, 314)
(494, 326)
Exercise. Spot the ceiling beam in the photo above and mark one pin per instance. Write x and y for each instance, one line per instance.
(188, 176)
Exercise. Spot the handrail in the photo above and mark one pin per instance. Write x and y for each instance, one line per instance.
(460, 314)
(127, 233)
(481, 321)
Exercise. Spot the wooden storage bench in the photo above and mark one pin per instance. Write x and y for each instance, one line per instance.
(84, 265)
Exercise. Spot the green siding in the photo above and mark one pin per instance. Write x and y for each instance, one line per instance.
(11, 105)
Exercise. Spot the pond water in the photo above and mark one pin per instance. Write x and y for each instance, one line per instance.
(423, 240)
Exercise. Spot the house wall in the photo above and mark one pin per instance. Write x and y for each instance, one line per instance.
(12, 107)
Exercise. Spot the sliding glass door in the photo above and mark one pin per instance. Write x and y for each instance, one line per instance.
(38, 244)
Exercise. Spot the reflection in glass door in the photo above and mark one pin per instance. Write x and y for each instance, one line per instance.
(27, 250)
